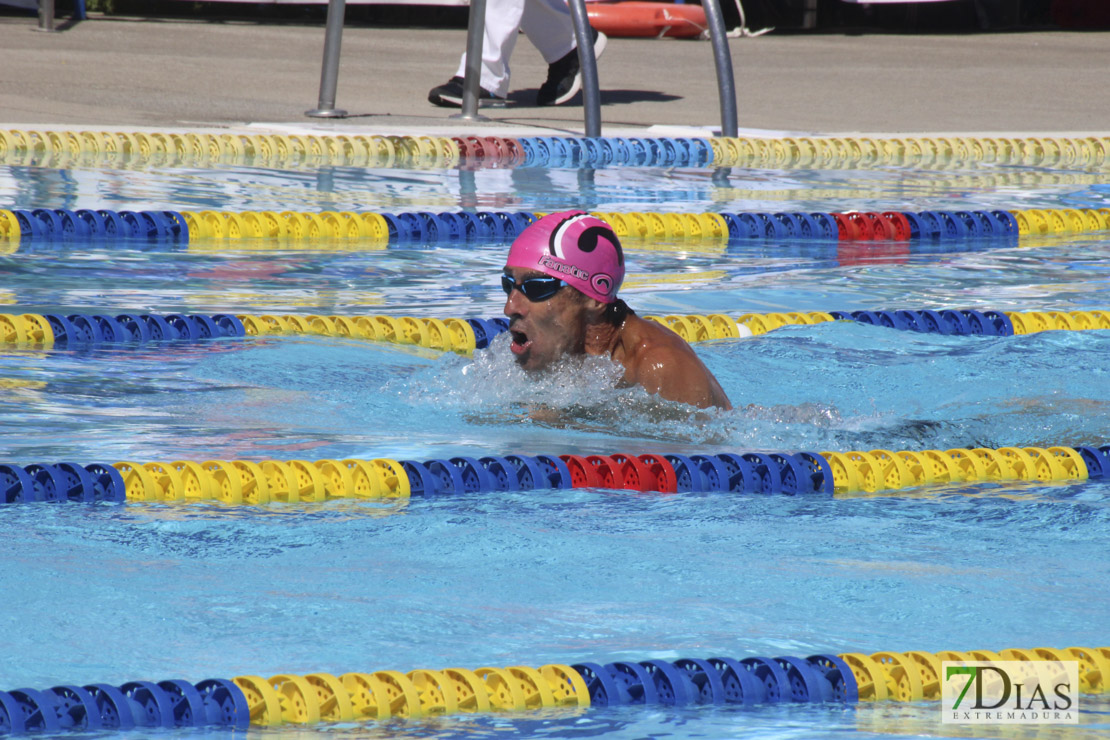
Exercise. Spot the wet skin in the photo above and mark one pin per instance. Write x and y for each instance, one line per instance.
(570, 323)
(544, 331)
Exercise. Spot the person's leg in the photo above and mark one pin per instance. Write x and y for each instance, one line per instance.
(548, 25)
(503, 19)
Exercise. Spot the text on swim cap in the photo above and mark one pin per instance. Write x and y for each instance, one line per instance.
(546, 260)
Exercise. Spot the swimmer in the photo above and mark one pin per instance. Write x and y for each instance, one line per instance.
(561, 279)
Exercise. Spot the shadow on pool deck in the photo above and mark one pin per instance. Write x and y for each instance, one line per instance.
(129, 72)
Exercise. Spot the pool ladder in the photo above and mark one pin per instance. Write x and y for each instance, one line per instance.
(475, 33)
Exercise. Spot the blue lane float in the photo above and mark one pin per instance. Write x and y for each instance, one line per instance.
(561, 151)
(947, 321)
(63, 481)
(93, 329)
(65, 226)
(166, 704)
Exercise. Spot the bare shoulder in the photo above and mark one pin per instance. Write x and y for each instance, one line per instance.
(662, 362)
(644, 337)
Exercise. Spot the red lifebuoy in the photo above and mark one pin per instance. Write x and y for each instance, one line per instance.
(647, 19)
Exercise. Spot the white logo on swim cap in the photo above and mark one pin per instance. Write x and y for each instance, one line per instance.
(546, 260)
(560, 232)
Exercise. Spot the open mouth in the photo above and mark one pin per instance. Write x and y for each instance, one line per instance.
(521, 342)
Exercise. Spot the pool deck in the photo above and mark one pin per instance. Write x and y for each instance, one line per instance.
(174, 74)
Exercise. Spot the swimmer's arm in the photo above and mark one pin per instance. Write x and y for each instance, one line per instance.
(678, 376)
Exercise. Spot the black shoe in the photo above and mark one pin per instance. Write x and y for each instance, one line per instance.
(450, 95)
(564, 78)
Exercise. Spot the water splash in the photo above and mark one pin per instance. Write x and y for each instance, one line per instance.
(584, 394)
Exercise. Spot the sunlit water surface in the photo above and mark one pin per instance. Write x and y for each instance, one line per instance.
(108, 593)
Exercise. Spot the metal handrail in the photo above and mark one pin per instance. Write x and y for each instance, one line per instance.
(46, 16)
(329, 72)
(587, 64)
(472, 71)
(722, 59)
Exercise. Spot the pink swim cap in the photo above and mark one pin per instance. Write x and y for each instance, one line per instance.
(575, 247)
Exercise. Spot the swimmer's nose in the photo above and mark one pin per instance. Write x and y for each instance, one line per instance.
(514, 303)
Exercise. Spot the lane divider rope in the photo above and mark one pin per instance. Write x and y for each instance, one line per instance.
(45, 227)
(240, 482)
(169, 149)
(465, 335)
(243, 701)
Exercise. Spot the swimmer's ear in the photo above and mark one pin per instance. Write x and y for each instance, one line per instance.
(594, 307)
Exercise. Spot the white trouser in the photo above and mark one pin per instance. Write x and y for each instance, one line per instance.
(547, 24)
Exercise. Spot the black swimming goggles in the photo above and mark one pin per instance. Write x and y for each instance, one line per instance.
(534, 289)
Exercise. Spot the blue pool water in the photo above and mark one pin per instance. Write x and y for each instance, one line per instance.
(103, 593)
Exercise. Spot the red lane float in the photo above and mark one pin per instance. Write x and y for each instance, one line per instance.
(645, 19)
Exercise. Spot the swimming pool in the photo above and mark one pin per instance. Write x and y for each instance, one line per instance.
(103, 593)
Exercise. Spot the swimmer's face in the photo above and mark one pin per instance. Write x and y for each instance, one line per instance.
(544, 331)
